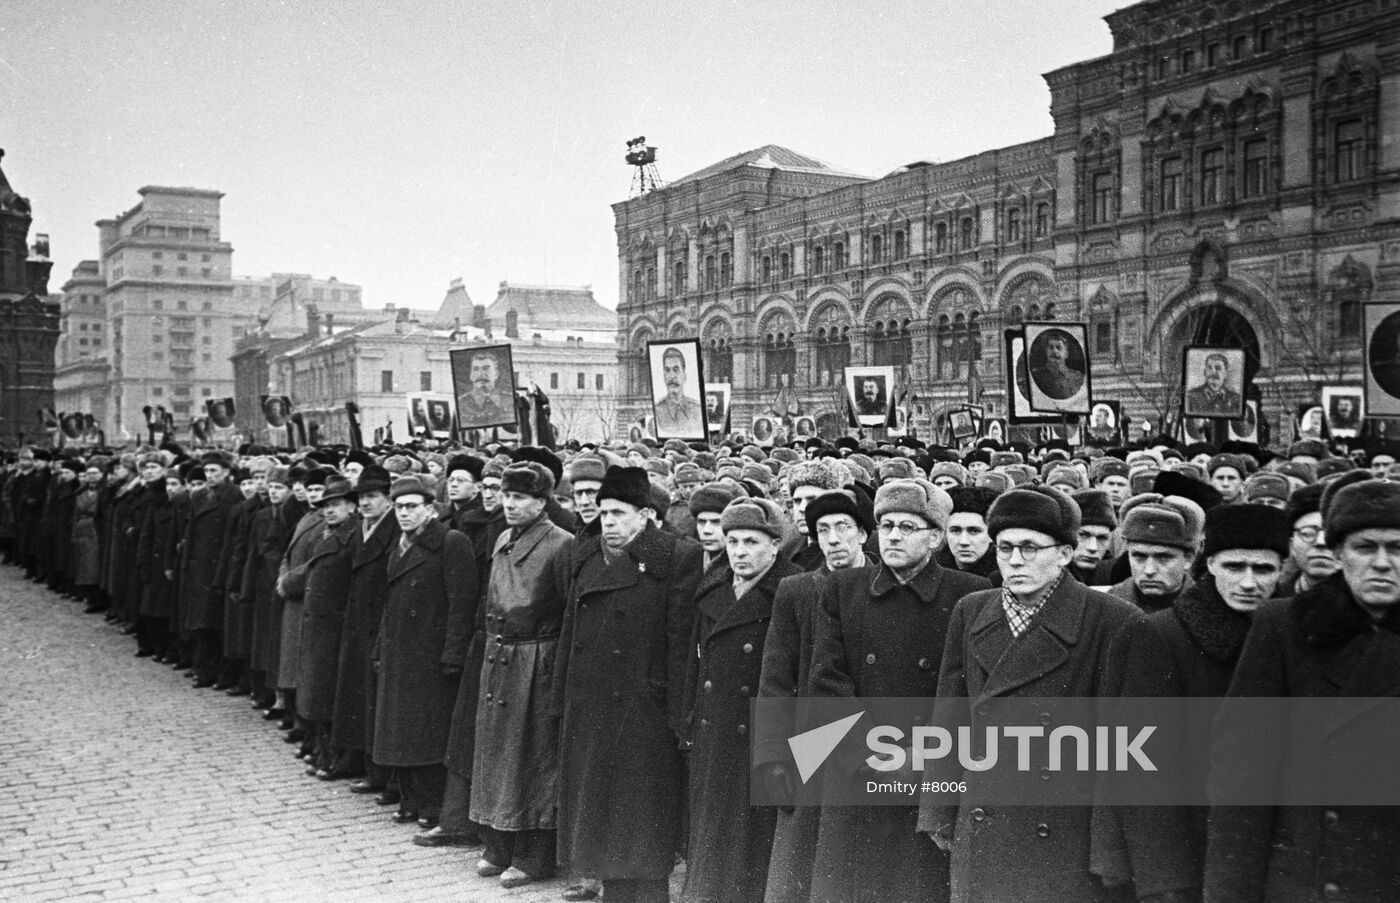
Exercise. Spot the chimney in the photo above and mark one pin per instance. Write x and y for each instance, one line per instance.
(479, 316)
(512, 324)
(330, 324)
(313, 322)
(401, 320)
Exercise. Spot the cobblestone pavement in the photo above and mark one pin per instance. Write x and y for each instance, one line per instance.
(120, 781)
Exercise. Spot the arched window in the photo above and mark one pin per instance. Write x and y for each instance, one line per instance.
(639, 371)
(766, 267)
(901, 245)
(678, 277)
(711, 273)
(719, 352)
(832, 340)
(1042, 220)
(1013, 225)
(940, 238)
(726, 270)
(967, 233)
(943, 340)
(891, 335)
(818, 259)
(785, 265)
(877, 248)
(838, 256)
(779, 351)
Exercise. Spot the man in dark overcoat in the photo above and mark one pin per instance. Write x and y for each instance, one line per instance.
(291, 587)
(424, 634)
(1188, 651)
(204, 542)
(238, 616)
(1042, 634)
(1341, 638)
(881, 635)
(620, 683)
(152, 562)
(842, 522)
(730, 840)
(378, 531)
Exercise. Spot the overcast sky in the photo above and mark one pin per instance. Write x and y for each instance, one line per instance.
(401, 144)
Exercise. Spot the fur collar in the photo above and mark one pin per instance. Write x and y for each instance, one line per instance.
(1217, 628)
(1328, 614)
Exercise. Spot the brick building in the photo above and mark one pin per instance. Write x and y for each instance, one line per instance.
(29, 322)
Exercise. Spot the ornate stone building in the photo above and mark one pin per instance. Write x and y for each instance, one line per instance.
(28, 322)
(1230, 173)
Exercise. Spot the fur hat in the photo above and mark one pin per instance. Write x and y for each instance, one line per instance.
(687, 474)
(1303, 473)
(281, 475)
(470, 463)
(1365, 505)
(410, 485)
(1095, 510)
(1142, 481)
(840, 501)
(996, 481)
(1267, 486)
(529, 478)
(713, 497)
(1003, 458)
(1304, 502)
(660, 497)
(219, 457)
(1173, 521)
(1105, 467)
(1038, 508)
(1247, 527)
(914, 497)
(753, 453)
(1066, 476)
(785, 455)
(1020, 474)
(1328, 466)
(542, 456)
(972, 499)
(824, 473)
(587, 467)
(318, 476)
(398, 464)
(1226, 460)
(361, 457)
(1172, 482)
(754, 514)
(1307, 448)
(896, 469)
(757, 474)
(948, 469)
(496, 467)
(657, 466)
(1330, 491)
(630, 485)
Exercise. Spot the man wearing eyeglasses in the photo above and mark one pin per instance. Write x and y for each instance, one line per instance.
(881, 634)
(585, 474)
(1340, 638)
(1041, 634)
(1309, 560)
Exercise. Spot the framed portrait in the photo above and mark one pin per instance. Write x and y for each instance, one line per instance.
(1018, 381)
(1344, 410)
(764, 429)
(1058, 367)
(1212, 380)
(276, 409)
(221, 412)
(962, 423)
(636, 433)
(677, 386)
(1382, 360)
(483, 382)
(1312, 422)
(717, 397)
(804, 427)
(869, 391)
(1246, 428)
(994, 429)
(1103, 426)
(1195, 429)
(430, 413)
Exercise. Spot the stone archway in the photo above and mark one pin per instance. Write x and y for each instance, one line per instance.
(1214, 324)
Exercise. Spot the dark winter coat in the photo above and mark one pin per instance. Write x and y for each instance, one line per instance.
(291, 587)
(63, 498)
(352, 726)
(1319, 644)
(328, 578)
(1035, 854)
(984, 567)
(153, 550)
(1127, 591)
(204, 545)
(1187, 651)
(85, 565)
(257, 590)
(515, 773)
(729, 840)
(620, 683)
(424, 634)
(238, 614)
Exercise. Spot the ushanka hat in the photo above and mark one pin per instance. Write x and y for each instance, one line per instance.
(469, 463)
(754, 514)
(1095, 509)
(713, 498)
(1247, 527)
(409, 485)
(1349, 505)
(1037, 508)
(840, 501)
(528, 478)
(914, 497)
(630, 485)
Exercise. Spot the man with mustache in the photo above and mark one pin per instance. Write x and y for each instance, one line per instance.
(485, 404)
(1214, 397)
(677, 414)
(1055, 377)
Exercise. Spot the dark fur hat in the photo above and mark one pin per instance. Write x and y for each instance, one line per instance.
(713, 497)
(858, 505)
(631, 485)
(1247, 527)
(1095, 509)
(542, 456)
(529, 478)
(470, 463)
(973, 499)
(1362, 505)
(1038, 508)
(1170, 482)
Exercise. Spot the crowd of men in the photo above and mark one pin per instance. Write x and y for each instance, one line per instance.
(551, 655)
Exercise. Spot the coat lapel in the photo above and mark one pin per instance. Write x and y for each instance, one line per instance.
(757, 603)
(429, 539)
(1373, 661)
(1042, 648)
(378, 542)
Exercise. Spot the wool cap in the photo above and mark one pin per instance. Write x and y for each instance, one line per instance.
(1037, 508)
(754, 514)
(1169, 522)
(470, 463)
(1266, 486)
(840, 501)
(1247, 527)
(587, 467)
(529, 478)
(713, 497)
(1095, 509)
(410, 485)
(948, 469)
(896, 469)
(1365, 505)
(972, 499)
(338, 487)
(1304, 502)
(630, 485)
(1226, 460)
(914, 497)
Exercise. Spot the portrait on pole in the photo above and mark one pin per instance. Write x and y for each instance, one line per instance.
(1383, 360)
(1059, 368)
(717, 406)
(677, 386)
(276, 409)
(483, 379)
(1018, 381)
(1344, 411)
(1246, 428)
(763, 430)
(1103, 423)
(1213, 382)
(868, 389)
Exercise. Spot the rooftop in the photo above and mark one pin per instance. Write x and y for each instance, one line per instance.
(544, 307)
(771, 156)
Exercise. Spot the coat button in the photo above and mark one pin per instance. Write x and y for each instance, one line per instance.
(979, 814)
(709, 685)
(413, 612)
(488, 697)
(1045, 774)
(617, 652)
(1332, 891)
(743, 691)
(748, 648)
(870, 658)
(925, 664)
(704, 722)
(490, 659)
(501, 702)
(743, 729)
(1044, 717)
(983, 711)
(1042, 830)
(1330, 818)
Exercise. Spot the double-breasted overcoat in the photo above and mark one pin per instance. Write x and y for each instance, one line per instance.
(328, 579)
(353, 724)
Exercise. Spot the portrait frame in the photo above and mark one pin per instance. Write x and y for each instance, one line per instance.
(1018, 400)
(1193, 403)
(472, 411)
(804, 427)
(1310, 421)
(962, 422)
(277, 410)
(1339, 425)
(855, 379)
(687, 419)
(1382, 362)
(221, 412)
(721, 392)
(994, 428)
(1046, 398)
(1246, 428)
(430, 413)
(764, 430)
(1112, 432)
